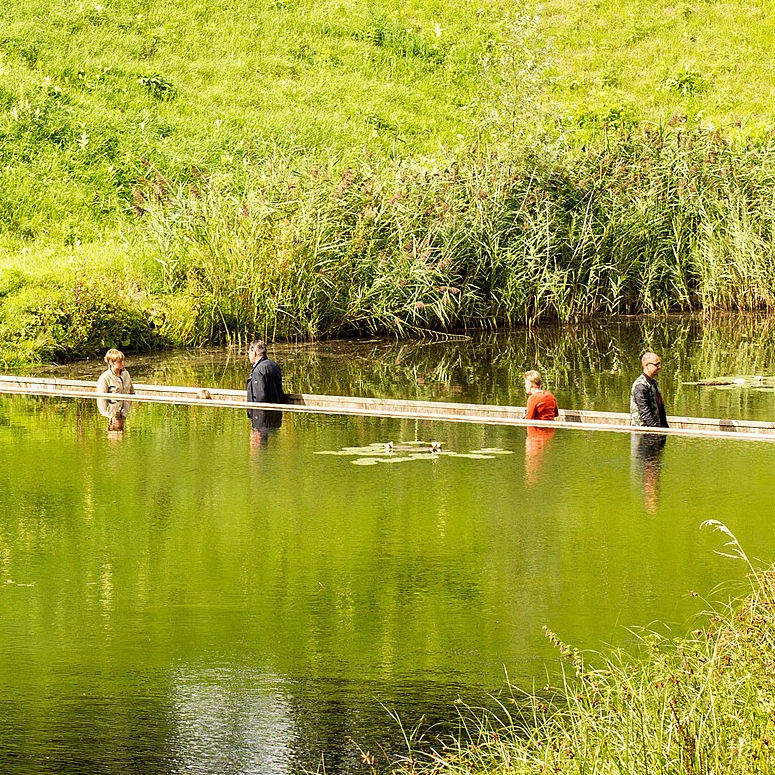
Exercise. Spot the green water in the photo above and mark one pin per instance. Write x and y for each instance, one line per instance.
(180, 600)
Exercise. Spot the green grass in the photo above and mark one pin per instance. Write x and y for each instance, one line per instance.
(708, 62)
(512, 155)
(90, 91)
(704, 703)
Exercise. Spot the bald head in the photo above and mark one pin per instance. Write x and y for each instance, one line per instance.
(651, 363)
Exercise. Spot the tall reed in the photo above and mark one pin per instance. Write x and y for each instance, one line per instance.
(665, 220)
(494, 237)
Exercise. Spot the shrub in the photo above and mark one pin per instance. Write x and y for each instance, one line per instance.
(76, 319)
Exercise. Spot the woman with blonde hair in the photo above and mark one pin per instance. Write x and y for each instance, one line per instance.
(115, 379)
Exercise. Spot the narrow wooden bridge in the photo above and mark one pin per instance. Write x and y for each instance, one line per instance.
(389, 407)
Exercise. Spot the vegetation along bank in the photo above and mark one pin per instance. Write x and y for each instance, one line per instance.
(193, 174)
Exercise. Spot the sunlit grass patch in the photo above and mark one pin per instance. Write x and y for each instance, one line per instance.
(664, 59)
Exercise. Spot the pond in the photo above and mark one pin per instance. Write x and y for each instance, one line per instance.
(181, 600)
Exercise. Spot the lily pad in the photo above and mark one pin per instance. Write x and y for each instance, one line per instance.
(756, 381)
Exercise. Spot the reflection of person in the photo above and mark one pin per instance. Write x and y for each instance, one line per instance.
(115, 379)
(265, 385)
(646, 450)
(646, 405)
(541, 404)
(536, 442)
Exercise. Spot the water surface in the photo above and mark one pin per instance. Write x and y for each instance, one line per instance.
(182, 599)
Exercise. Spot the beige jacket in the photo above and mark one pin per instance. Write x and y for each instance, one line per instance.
(111, 383)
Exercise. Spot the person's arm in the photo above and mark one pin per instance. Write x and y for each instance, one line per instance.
(258, 386)
(532, 407)
(249, 394)
(640, 395)
(280, 390)
(103, 405)
(129, 389)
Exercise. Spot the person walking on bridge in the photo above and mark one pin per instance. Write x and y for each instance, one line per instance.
(115, 379)
(646, 405)
(265, 385)
(541, 404)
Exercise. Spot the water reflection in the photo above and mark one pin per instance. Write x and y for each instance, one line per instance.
(259, 440)
(193, 626)
(589, 366)
(265, 424)
(537, 440)
(229, 721)
(646, 452)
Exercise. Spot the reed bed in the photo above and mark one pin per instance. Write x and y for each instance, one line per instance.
(700, 704)
(672, 220)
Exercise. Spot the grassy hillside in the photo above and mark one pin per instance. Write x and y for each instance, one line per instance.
(91, 90)
(355, 142)
(624, 61)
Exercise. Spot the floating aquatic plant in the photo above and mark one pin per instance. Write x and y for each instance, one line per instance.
(389, 452)
(755, 381)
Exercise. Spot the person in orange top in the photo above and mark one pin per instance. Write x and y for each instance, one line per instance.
(541, 404)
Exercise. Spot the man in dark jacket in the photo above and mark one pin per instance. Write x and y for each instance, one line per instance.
(646, 405)
(265, 385)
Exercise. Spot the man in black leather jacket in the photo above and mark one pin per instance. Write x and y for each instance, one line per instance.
(646, 405)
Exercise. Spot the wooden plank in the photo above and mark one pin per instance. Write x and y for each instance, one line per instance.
(398, 408)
